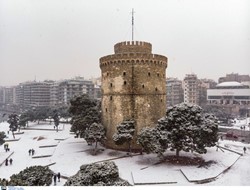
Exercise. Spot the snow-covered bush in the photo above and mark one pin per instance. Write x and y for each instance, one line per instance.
(97, 174)
(32, 176)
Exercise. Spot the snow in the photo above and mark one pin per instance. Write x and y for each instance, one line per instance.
(227, 84)
(69, 153)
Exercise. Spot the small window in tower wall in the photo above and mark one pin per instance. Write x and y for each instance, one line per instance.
(107, 74)
(106, 109)
(143, 86)
(111, 98)
(158, 74)
(149, 74)
(125, 82)
(111, 84)
(156, 89)
(161, 100)
(124, 73)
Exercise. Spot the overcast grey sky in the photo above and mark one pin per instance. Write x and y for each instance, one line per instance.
(57, 39)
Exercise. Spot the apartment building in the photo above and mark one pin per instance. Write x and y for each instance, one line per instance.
(174, 94)
(191, 85)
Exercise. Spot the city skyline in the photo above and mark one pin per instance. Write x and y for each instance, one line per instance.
(55, 40)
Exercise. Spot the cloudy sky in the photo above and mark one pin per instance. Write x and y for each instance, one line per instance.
(57, 39)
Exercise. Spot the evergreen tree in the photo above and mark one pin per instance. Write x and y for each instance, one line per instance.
(188, 130)
(125, 133)
(152, 141)
(85, 111)
(2, 136)
(41, 113)
(56, 119)
(94, 134)
(13, 121)
(25, 117)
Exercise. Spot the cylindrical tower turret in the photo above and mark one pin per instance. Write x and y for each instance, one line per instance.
(133, 87)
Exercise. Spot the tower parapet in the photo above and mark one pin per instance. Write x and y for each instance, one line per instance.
(133, 46)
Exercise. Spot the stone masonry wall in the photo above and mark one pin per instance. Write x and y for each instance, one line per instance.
(133, 87)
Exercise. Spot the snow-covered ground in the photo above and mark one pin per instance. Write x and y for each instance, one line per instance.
(67, 154)
(240, 123)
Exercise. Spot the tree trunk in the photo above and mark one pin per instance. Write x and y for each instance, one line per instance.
(13, 134)
(129, 148)
(177, 152)
(95, 147)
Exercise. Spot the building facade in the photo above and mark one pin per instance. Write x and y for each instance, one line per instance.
(191, 85)
(33, 94)
(174, 92)
(229, 93)
(8, 95)
(234, 77)
(133, 87)
(231, 96)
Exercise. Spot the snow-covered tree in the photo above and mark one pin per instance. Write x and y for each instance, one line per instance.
(2, 136)
(13, 121)
(41, 113)
(152, 141)
(56, 119)
(25, 117)
(97, 174)
(187, 129)
(85, 111)
(94, 134)
(125, 133)
(32, 176)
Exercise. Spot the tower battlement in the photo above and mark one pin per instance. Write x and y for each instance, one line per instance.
(133, 46)
(137, 58)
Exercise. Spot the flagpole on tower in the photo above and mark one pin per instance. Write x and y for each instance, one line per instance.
(132, 24)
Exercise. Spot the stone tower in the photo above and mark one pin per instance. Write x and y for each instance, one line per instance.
(133, 87)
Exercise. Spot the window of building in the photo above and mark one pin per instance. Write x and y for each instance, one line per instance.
(111, 84)
(111, 97)
(125, 82)
(124, 73)
(149, 74)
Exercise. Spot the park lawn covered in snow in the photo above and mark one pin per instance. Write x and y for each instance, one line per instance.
(67, 154)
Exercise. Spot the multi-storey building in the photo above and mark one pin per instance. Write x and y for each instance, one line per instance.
(231, 96)
(174, 91)
(61, 92)
(204, 85)
(229, 93)
(234, 77)
(191, 86)
(33, 94)
(48, 93)
(8, 95)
